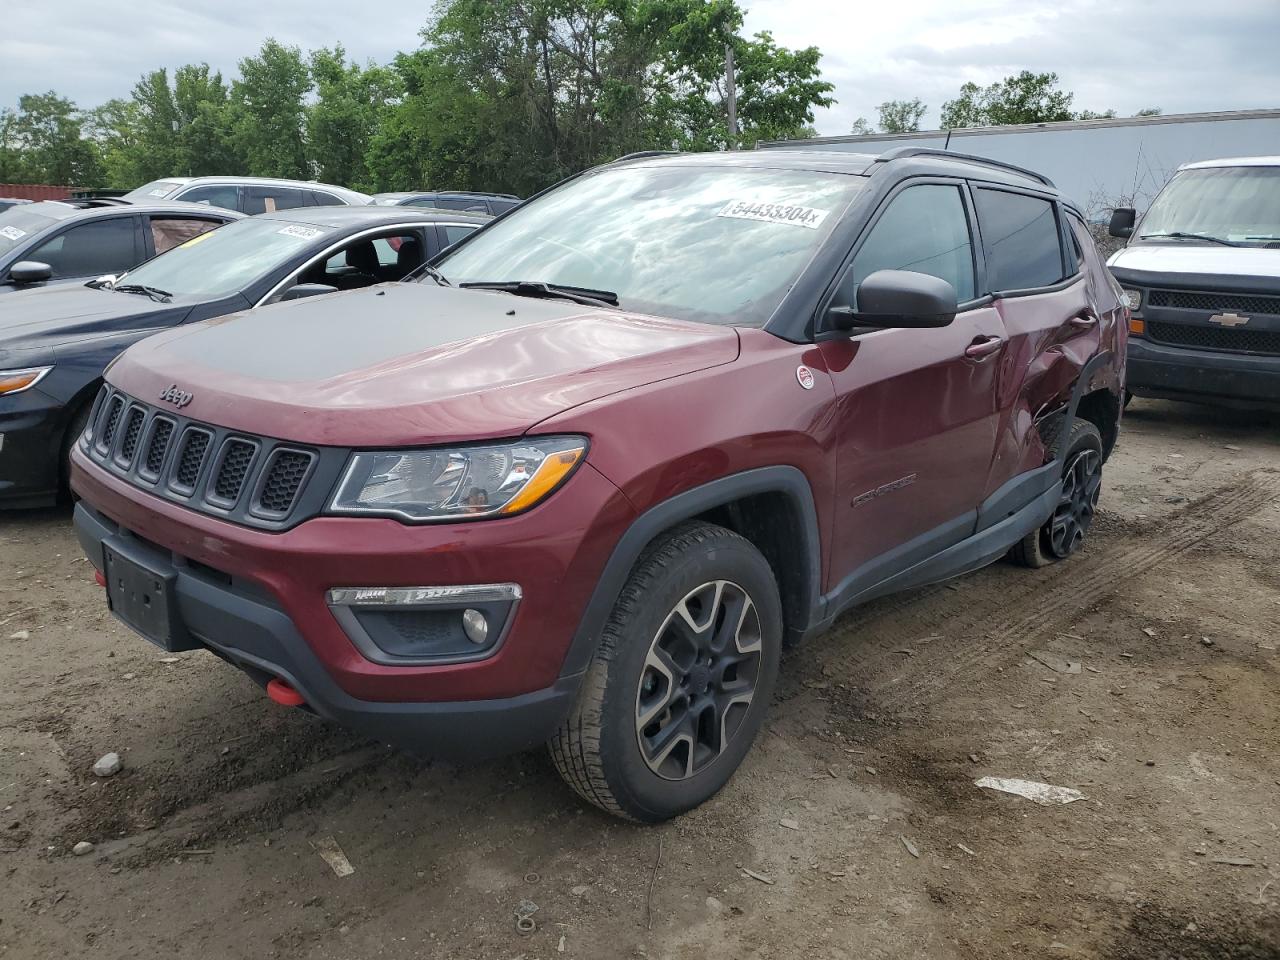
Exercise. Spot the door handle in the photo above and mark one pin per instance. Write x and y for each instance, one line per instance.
(1084, 321)
(983, 347)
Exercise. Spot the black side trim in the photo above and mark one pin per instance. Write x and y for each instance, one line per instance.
(1016, 493)
(1099, 360)
(969, 554)
(788, 481)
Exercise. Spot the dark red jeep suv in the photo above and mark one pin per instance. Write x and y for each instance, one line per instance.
(581, 481)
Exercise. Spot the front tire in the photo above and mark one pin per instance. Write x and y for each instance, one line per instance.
(1065, 530)
(681, 680)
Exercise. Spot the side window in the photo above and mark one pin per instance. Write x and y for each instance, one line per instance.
(268, 199)
(1105, 288)
(318, 198)
(91, 249)
(1021, 238)
(454, 232)
(463, 204)
(168, 232)
(367, 261)
(429, 202)
(924, 229)
(225, 195)
(500, 207)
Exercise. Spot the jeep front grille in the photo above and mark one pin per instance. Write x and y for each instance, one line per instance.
(253, 480)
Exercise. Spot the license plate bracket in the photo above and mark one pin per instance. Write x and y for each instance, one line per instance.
(143, 595)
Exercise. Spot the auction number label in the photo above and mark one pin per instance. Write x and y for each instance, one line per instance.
(302, 233)
(788, 213)
(12, 233)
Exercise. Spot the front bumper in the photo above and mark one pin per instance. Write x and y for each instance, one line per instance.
(31, 425)
(248, 630)
(257, 599)
(1181, 373)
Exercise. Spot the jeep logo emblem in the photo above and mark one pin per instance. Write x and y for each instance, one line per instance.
(1228, 319)
(171, 394)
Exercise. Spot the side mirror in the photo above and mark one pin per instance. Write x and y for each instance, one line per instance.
(1122, 221)
(30, 271)
(898, 298)
(300, 290)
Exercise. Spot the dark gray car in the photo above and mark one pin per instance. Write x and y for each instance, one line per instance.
(59, 242)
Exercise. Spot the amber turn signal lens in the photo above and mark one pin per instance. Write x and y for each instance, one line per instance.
(548, 476)
(1137, 327)
(13, 381)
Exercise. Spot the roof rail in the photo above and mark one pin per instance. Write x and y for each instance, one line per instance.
(642, 154)
(902, 153)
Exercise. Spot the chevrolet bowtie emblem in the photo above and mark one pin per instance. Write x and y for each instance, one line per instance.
(1229, 319)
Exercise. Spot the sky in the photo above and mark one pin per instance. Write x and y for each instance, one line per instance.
(1183, 56)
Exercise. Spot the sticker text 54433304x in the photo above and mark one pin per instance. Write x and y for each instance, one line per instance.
(793, 214)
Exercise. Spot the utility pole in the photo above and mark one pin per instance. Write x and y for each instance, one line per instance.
(731, 95)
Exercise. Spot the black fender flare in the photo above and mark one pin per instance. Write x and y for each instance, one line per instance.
(786, 480)
(1095, 363)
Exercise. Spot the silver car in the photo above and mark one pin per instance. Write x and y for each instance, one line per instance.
(249, 195)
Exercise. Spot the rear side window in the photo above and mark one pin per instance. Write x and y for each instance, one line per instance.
(318, 198)
(1022, 241)
(453, 233)
(168, 232)
(463, 204)
(224, 195)
(90, 249)
(268, 199)
(500, 207)
(924, 229)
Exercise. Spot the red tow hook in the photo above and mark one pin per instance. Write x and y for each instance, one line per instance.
(100, 579)
(283, 694)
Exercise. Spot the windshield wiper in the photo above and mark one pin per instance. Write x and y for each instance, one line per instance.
(1180, 235)
(155, 293)
(548, 291)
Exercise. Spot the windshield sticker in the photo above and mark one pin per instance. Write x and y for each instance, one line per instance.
(160, 192)
(301, 232)
(198, 238)
(12, 233)
(789, 213)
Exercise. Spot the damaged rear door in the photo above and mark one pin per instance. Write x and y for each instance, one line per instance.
(1037, 276)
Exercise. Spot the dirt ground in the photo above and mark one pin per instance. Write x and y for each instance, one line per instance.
(206, 843)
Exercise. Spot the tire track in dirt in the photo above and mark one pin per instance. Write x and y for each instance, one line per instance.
(995, 613)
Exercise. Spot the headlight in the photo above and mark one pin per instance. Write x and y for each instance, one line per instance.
(457, 483)
(15, 381)
(1132, 298)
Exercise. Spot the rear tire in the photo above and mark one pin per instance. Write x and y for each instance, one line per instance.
(1065, 530)
(681, 679)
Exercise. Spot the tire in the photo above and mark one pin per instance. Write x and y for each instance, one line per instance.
(1064, 531)
(656, 729)
(78, 422)
(1128, 398)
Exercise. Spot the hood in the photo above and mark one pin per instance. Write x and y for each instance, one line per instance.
(1194, 264)
(53, 316)
(411, 363)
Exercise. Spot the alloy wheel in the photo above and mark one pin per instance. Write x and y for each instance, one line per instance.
(699, 679)
(1081, 484)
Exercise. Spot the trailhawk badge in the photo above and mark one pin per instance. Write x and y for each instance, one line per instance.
(805, 376)
(1229, 319)
(179, 398)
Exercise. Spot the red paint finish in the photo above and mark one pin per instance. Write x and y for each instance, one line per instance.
(555, 551)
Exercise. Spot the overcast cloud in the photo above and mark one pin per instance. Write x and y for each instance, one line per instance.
(1181, 55)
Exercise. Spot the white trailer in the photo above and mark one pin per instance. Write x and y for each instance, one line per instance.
(1098, 163)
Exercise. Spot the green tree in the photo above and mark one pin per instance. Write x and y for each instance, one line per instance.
(901, 116)
(267, 113)
(13, 162)
(352, 104)
(48, 131)
(1095, 115)
(1149, 112)
(862, 127)
(1024, 98)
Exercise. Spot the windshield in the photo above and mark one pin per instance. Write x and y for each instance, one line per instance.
(226, 260)
(718, 244)
(155, 190)
(18, 224)
(1239, 204)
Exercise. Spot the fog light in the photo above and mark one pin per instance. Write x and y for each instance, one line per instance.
(475, 626)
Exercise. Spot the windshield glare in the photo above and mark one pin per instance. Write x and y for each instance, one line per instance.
(18, 225)
(717, 244)
(1240, 204)
(155, 190)
(226, 260)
